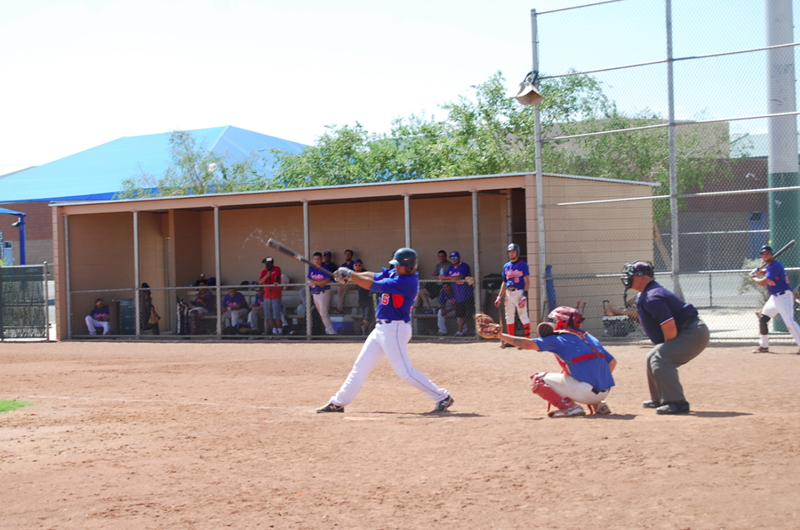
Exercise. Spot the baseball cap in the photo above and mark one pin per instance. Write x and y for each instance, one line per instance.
(455, 254)
(357, 260)
(268, 259)
(327, 253)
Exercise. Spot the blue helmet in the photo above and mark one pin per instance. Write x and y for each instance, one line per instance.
(513, 246)
(407, 257)
(765, 248)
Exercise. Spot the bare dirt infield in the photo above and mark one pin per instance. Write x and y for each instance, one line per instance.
(215, 435)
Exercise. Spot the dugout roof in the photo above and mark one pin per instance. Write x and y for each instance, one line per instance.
(97, 173)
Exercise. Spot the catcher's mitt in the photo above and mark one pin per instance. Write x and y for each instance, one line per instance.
(486, 327)
(545, 329)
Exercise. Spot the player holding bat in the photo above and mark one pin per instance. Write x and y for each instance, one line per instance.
(781, 299)
(398, 290)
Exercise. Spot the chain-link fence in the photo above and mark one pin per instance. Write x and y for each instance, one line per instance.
(24, 302)
(693, 98)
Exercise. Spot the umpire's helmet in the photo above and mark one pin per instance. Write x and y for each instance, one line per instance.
(766, 248)
(564, 317)
(637, 268)
(513, 246)
(405, 256)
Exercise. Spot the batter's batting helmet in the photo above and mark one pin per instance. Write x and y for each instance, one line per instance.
(564, 317)
(513, 246)
(405, 256)
(637, 268)
(766, 248)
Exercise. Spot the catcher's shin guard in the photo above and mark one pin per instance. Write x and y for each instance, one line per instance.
(527, 329)
(544, 391)
(510, 328)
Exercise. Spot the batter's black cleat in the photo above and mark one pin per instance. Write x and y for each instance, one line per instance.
(443, 405)
(761, 349)
(330, 407)
(650, 404)
(679, 407)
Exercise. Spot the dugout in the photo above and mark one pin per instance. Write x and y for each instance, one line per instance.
(108, 248)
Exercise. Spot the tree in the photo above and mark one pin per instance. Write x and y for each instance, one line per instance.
(194, 171)
(491, 133)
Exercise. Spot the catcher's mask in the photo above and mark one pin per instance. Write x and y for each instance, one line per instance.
(637, 268)
(564, 317)
(407, 257)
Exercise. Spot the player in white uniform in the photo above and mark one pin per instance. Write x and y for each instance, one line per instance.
(780, 302)
(398, 290)
(515, 288)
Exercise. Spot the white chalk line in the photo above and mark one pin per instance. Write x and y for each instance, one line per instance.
(162, 401)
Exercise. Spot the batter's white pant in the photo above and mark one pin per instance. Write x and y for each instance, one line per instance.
(322, 301)
(93, 324)
(390, 341)
(568, 386)
(782, 304)
(513, 301)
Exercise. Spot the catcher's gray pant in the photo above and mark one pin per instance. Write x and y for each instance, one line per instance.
(388, 340)
(663, 361)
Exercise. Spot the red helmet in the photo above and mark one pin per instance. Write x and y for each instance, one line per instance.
(564, 317)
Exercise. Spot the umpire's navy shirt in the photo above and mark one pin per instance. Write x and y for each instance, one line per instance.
(657, 306)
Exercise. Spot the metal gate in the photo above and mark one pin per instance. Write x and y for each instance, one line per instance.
(24, 302)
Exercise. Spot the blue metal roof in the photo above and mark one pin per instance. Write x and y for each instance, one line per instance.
(97, 173)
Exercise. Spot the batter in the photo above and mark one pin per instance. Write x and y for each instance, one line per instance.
(781, 299)
(398, 290)
(515, 289)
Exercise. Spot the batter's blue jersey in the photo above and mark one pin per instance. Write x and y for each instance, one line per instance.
(567, 347)
(777, 274)
(515, 272)
(398, 294)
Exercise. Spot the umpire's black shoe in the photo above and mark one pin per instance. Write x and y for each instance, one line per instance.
(679, 407)
(443, 404)
(650, 404)
(330, 407)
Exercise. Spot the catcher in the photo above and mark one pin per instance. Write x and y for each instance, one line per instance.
(586, 365)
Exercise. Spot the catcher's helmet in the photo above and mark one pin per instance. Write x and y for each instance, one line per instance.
(405, 256)
(765, 248)
(513, 246)
(564, 317)
(637, 268)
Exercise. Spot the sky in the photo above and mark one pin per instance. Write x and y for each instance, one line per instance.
(80, 73)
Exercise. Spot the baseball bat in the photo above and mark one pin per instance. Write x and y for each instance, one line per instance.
(783, 249)
(299, 257)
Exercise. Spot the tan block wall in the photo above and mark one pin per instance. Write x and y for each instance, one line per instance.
(100, 258)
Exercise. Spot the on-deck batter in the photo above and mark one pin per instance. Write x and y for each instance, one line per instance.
(398, 290)
(781, 299)
(515, 288)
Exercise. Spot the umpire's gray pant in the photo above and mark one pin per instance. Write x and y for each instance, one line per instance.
(663, 361)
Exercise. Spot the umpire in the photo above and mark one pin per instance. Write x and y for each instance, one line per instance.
(674, 327)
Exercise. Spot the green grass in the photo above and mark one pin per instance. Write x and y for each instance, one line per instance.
(6, 405)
